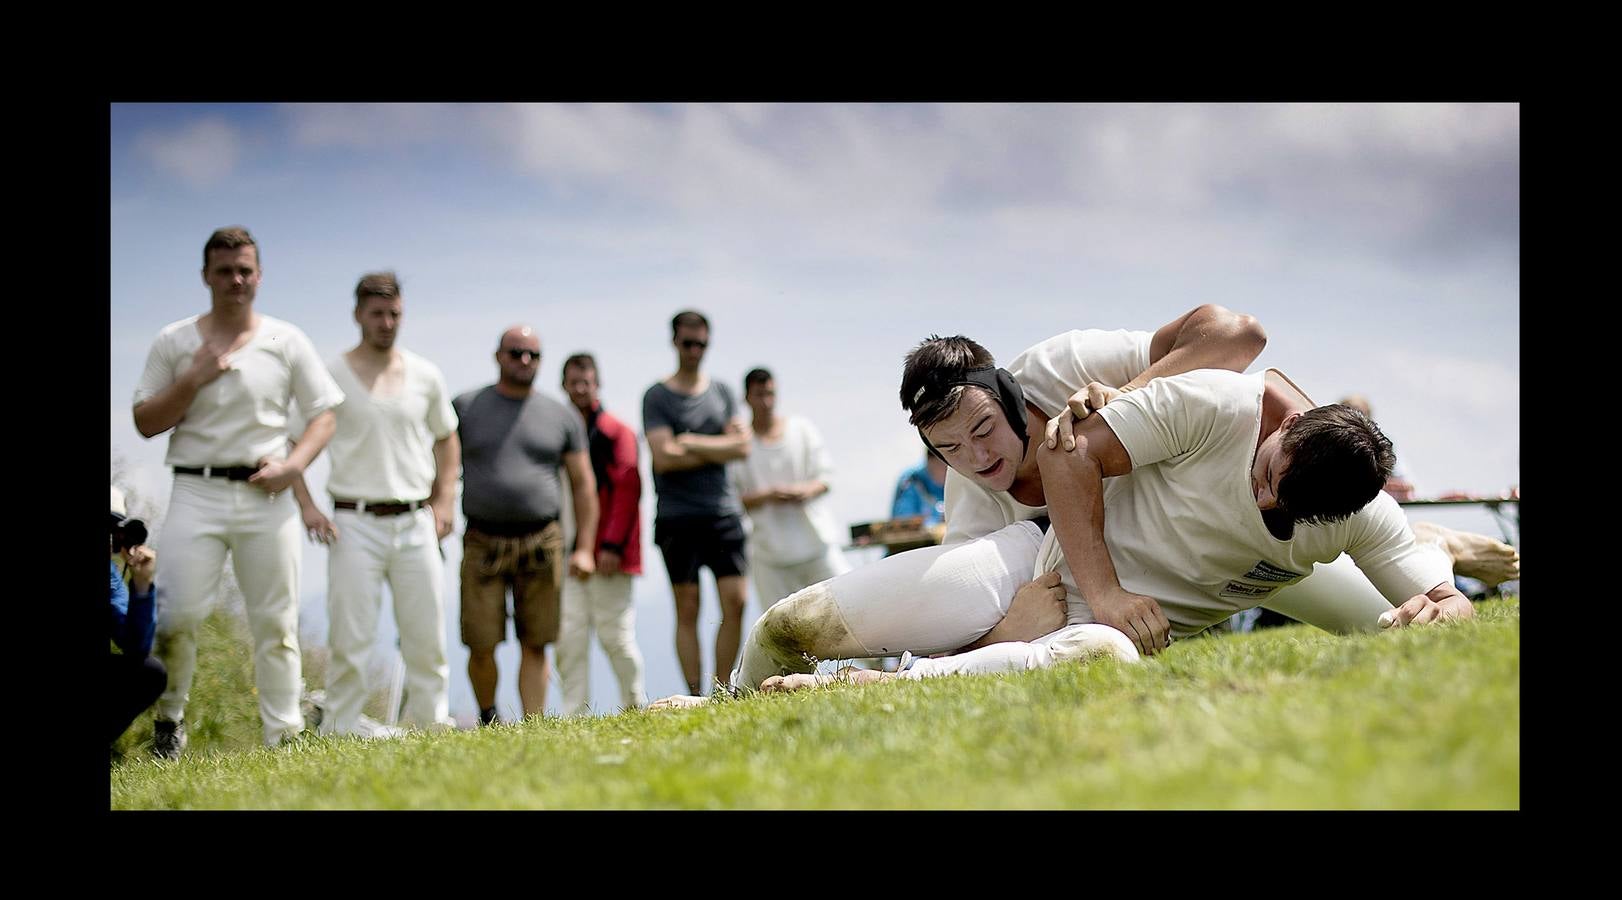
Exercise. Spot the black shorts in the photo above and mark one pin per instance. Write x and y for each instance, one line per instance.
(689, 542)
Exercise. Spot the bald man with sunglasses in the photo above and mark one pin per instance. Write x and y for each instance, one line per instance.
(514, 442)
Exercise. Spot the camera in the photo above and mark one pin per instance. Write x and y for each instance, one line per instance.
(127, 532)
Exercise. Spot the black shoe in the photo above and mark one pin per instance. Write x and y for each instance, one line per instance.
(488, 717)
(168, 739)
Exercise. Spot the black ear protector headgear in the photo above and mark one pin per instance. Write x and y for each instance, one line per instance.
(1001, 385)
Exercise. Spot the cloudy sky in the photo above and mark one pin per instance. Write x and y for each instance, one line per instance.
(1378, 244)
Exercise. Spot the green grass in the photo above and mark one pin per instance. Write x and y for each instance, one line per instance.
(1288, 718)
(223, 712)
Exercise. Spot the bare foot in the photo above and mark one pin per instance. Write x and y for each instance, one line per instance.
(678, 701)
(1474, 555)
(799, 681)
(864, 676)
(780, 684)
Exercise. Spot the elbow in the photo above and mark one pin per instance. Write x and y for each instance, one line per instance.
(1239, 331)
(1250, 334)
(324, 425)
(145, 426)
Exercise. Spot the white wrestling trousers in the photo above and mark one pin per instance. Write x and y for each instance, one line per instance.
(207, 517)
(927, 601)
(404, 550)
(774, 582)
(937, 599)
(602, 602)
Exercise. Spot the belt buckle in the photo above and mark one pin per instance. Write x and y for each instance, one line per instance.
(207, 470)
(360, 506)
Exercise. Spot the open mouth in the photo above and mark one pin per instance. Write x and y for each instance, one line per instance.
(992, 470)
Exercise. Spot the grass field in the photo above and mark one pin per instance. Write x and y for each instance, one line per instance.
(1288, 718)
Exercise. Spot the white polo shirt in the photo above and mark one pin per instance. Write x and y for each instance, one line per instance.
(384, 446)
(241, 416)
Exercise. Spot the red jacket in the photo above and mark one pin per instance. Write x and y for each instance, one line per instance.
(619, 487)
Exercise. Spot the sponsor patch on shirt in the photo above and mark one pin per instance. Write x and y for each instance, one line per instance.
(1242, 590)
(1265, 571)
(1272, 577)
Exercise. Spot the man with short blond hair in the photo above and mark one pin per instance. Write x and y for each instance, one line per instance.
(395, 457)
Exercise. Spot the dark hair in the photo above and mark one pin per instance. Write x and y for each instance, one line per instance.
(377, 284)
(1338, 462)
(755, 376)
(580, 361)
(688, 319)
(930, 368)
(230, 238)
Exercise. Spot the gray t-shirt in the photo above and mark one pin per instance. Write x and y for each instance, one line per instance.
(703, 491)
(511, 451)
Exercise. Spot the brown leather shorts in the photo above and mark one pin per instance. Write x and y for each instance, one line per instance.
(532, 565)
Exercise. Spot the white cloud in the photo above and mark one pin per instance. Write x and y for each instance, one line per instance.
(201, 154)
(1481, 389)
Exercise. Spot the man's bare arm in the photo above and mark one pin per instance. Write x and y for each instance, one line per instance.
(1205, 337)
(317, 526)
(1037, 609)
(1437, 604)
(583, 485)
(1074, 484)
(277, 474)
(447, 468)
(669, 455)
(731, 444)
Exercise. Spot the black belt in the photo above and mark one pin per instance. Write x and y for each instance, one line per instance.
(508, 529)
(230, 473)
(385, 508)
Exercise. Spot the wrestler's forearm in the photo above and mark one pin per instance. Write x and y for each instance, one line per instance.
(1076, 508)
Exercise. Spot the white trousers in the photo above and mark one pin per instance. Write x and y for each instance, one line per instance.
(207, 518)
(402, 550)
(938, 599)
(1070, 642)
(601, 602)
(774, 582)
(928, 600)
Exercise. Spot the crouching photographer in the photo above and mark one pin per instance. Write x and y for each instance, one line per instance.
(135, 678)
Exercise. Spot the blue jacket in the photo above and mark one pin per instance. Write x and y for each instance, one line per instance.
(916, 494)
(134, 616)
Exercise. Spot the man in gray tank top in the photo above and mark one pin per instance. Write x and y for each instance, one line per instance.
(693, 430)
(513, 442)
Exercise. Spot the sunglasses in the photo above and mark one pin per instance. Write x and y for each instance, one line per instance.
(689, 344)
(523, 355)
